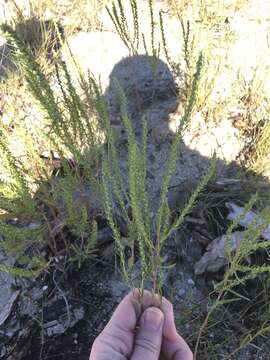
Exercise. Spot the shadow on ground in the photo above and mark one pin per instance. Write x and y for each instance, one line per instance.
(98, 287)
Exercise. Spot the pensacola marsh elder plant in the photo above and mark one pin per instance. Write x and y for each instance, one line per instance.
(73, 132)
(31, 190)
(78, 130)
(145, 234)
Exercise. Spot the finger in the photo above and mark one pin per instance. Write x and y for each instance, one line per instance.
(176, 350)
(173, 345)
(148, 339)
(133, 304)
(118, 335)
(116, 339)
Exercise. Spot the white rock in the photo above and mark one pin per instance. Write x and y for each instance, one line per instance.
(214, 258)
(248, 219)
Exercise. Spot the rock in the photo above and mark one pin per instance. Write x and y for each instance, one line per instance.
(16, 324)
(214, 259)
(9, 294)
(64, 321)
(181, 292)
(248, 220)
(22, 300)
(6, 307)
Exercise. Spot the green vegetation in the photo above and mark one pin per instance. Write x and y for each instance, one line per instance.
(261, 148)
(149, 236)
(28, 190)
(46, 201)
(239, 273)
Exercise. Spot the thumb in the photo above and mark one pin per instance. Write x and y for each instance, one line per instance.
(148, 339)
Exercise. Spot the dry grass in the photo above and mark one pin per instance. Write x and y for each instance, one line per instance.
(234, 85)
(262, 153)
(73, 15)
(41, 24)
(239, 93)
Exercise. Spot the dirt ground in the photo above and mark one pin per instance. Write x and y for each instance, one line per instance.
(89, 295)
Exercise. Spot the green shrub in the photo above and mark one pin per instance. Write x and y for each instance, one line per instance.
(38, 205)
(33, 193)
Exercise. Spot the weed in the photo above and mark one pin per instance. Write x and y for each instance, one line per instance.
(38, 200)
(149, 236)
(69, 133)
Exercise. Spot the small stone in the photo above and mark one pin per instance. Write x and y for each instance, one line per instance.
(191, 282)
(181, 292)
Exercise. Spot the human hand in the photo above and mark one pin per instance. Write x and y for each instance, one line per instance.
(141, 330)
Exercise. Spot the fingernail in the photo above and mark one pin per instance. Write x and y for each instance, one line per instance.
(153, 318)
